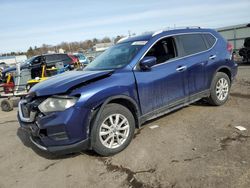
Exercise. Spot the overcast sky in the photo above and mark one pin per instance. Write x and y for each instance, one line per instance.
(26, 23)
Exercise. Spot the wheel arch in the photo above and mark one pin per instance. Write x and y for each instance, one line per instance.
(225, 70)
(124, 100)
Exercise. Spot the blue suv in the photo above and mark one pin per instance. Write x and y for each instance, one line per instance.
(138, 79)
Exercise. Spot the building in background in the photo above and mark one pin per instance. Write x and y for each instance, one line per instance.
(100, 47)
(10, 60)
(236, 34)
(61, 51)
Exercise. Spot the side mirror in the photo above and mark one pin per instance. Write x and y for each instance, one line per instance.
(147, 62)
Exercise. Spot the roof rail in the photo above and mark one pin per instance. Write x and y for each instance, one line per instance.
(157, 32)
(173, 28)
(122, 39)
(183, 27)
(193, 27)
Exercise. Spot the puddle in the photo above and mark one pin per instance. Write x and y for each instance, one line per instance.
(131, 179)
(225, 142)
(240, 95)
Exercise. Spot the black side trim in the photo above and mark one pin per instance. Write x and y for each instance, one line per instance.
(174, 106)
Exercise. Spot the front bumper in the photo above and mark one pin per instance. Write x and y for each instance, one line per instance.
(59, 132)
(36, 140)
(82, 145)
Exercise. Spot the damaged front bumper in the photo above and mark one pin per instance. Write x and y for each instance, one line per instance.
(82, 145)
(60, 132)
(35, 138)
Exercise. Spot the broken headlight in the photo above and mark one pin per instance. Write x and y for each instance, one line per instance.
(57, 104)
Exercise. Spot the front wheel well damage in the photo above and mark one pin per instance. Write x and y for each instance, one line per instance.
(95, 112)
(129, 105)
(122, 101)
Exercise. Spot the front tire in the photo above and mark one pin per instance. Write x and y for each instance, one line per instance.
(113, 130)
(220, 88)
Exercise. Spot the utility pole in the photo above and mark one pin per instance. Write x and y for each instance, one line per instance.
(69, 47)
(129, 34)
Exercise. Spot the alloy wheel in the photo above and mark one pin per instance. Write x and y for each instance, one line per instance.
(222, 88)
(114, 131)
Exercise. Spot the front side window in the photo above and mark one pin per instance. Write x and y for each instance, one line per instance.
(28, 61)
(163, 50)
(192, 43)
(116, 56)
(36, 61)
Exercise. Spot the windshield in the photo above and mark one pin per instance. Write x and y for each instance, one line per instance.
(28, 61)
(116, 56)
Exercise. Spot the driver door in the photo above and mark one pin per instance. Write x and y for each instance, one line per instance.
(163, 84)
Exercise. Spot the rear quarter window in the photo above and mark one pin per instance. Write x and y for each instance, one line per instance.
(210, 39)
(191, 43)
(65, 58)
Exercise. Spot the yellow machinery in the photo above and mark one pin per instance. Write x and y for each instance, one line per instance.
(78, 65)
(43, 77)
(47, 72)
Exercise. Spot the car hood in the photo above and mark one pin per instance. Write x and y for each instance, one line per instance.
(64, 82)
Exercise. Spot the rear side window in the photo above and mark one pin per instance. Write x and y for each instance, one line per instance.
(192, 43)
(50, 58)
(210, 39)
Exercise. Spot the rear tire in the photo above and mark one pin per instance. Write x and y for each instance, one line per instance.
(113, 130)
(220, 88)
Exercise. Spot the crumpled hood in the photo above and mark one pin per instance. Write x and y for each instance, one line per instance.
(63, 82)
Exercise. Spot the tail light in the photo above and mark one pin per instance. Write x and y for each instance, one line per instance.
(230, 48)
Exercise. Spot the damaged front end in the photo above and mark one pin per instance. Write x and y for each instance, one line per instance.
(53, 118)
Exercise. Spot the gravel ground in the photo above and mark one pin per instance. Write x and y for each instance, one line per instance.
(197, 146)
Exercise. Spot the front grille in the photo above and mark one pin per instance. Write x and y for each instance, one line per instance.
(25, 110)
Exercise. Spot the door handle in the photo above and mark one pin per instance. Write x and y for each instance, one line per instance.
(212, 57)
(181, 68)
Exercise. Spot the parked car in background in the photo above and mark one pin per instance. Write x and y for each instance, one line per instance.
(136, 80)
(82, 58)
(13, 59)
(3, 66)
(34, 63)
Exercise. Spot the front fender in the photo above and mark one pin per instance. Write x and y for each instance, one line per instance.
(96, 95)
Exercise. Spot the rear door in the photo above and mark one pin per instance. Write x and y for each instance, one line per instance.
(193, 52)
(163, 84)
